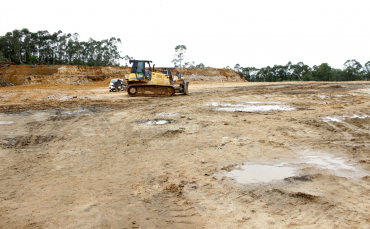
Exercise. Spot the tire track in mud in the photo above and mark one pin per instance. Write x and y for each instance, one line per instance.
(110, 168)
(30, 155)
(303, 209)
(178, 213)
(285, 203)
(175, 210)
(312, 212)
(167, 201)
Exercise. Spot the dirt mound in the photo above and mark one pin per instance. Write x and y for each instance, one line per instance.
(210, 74)
(65, 74)
(68, 74)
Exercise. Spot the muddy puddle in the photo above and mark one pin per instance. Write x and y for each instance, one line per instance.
(247, 174)
(166, 114)
(250, 107)
(74, 111)
(262, 173)
(41, 115)
(6, 122)
(339, 166)
(328, 163)
(156, 122)
(24, 117)
(70, 97)
(331, 119)
(342, 118)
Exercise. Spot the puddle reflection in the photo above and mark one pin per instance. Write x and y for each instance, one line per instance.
(6, 122)
(156, 122)
(247, 174)
(249, 107)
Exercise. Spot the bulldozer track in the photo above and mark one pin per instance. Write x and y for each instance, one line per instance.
(150, 90)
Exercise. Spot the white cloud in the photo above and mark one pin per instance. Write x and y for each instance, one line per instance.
(216, 33)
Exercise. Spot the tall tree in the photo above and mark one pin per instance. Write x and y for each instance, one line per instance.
(237, 68)
(180, 51)
(353, 70)
(250, 73)
(323, 72)
(367, 70)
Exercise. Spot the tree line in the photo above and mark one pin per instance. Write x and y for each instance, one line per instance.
(352, 70)
(42, 47)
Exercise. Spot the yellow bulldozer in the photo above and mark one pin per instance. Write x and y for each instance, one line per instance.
(145, 81)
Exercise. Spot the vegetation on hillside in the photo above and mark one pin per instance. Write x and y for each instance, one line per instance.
(42, 47)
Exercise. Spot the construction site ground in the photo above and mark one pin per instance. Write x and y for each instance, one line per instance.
(229, 155)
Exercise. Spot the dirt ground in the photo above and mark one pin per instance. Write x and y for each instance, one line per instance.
(229, 155)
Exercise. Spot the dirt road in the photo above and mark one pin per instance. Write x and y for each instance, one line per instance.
(233, 155)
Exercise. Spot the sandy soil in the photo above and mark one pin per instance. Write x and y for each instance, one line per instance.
(232, 155)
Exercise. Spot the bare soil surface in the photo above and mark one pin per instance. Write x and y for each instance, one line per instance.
(229, 155)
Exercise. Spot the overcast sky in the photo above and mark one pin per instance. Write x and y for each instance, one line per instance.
(216, 33)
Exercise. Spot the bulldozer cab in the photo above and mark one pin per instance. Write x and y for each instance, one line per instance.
(139, 67)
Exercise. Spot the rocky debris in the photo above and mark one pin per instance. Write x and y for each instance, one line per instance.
(170, 133)
(6, 84)
(303, 196)
(299, 178)
(177, 189)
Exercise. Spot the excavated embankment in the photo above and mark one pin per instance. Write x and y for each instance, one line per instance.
(67, 74)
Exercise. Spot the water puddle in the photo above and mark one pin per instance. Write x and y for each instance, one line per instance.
(156, 122)
(75, 111)
(166, 114)
(6, 122)
(341, 118)
(28, 116)
(70, 97)
(338, 166)
(328, 162)
(248, 174)
(41, 115)
(356, 116)
(250, 107)
(331, 119)
(258, 173)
